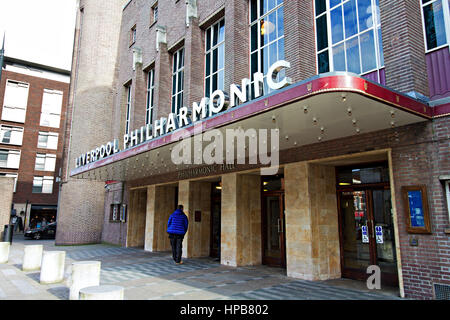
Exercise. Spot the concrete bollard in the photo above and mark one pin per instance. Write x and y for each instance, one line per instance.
(52, 268)
(102, 293)
(4, 252)
(84, 274)
(32, 257)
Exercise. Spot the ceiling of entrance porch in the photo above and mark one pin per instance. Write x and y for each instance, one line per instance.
(314, 119)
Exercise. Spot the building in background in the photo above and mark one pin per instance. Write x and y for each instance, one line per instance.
(363, 132)
(32, 118)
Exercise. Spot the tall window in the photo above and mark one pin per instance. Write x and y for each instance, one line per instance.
(45, 162)
(150, 96)
(436, 21)
(128, 109)
(15, 101)
(348, 36)
(51, 108)
(10, 175)
(266, 36)
(48, 140)
(9, 158)
(42, 184)
(214, 58)
(177, 80)
(11, 135)
(133, 35)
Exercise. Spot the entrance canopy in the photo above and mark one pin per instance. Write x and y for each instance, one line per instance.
(322, 108)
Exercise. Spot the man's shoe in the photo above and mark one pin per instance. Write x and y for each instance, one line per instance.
(181, 262)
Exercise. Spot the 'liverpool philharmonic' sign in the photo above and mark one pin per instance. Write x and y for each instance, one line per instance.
(207, 108)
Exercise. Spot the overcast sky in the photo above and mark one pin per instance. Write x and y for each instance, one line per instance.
(40, 31)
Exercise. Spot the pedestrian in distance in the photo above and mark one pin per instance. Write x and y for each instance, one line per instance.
(177, 227)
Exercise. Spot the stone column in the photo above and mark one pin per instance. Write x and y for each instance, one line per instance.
(241, 220)
(160, 205)
(312, 232)
(195, 196)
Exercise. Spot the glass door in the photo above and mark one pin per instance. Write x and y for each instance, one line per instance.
(367, 233)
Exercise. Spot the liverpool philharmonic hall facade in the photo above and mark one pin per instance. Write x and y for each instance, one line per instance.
(309, 135)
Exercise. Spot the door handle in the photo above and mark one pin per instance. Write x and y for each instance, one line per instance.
(278, 226)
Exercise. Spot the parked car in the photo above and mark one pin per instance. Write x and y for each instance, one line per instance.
(47, 232)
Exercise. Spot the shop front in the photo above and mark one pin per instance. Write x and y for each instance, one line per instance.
(323, 208)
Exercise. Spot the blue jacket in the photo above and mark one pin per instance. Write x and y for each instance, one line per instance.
(178, 223)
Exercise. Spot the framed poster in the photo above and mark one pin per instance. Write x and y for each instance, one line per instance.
(415, 200)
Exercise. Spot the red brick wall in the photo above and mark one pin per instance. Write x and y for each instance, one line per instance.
(30, 137)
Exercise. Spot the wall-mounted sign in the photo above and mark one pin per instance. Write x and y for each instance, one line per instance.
(208, 107)
(379, 234)
(364, 234)
(415, 201)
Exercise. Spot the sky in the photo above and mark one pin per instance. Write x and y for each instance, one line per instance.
(41, 31)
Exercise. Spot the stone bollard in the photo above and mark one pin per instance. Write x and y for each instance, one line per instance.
(102, 293)
(4, 252)
(84, 274)
(32, 257)
(52, 268)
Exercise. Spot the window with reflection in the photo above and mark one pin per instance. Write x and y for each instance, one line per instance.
(150, 96)
(436, 20)
(266, 37)
(348, 36)
(215, 58)
(177, 80)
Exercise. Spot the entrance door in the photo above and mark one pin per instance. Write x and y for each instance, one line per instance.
(273, 230)
(216, 204)
(367, 233)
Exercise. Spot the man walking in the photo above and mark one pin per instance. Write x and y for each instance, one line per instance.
(177, 227)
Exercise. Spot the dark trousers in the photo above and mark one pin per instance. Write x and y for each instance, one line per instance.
(176, 241)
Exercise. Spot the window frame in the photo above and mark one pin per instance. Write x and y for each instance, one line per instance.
(175, 108)
(133, 35)
(260, 48)
(13, 128)
(357, 35)
(42, 178)
(447, 194)
(128, 109)
(53, 113)
(150, 102)
(10, 151)
(48, 134)
(446, 13)
(211, 51)
(15, 107)
(45, 156)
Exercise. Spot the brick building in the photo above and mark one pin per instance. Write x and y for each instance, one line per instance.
(32, 117)
(351, 97)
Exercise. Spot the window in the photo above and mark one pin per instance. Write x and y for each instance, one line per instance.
(266, 37)
(128, 109)
(15, 101)
(214, 58)
(11, 135)
(177, 80)
(10, 175)
(45, 162)
(133, 35)
(48, 140)
(51, 108)
(436, 21)
(154, 14)
(9, 158)
(348, 35)
(150, 96)
(42, 185)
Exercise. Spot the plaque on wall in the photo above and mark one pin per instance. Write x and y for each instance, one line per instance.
(415, 201)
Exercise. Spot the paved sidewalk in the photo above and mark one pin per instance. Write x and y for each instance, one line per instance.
(154, 276)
